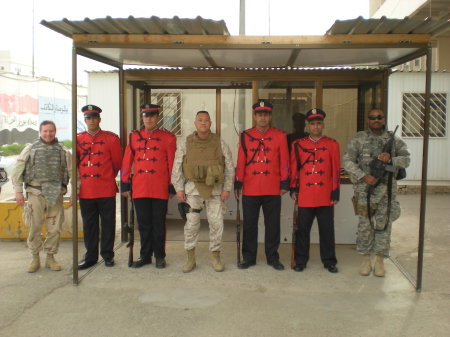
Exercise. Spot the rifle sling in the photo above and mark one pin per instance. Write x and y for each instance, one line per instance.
(389, 193)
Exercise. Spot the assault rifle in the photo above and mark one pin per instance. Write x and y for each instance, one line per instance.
(238, 234)
(378, 169)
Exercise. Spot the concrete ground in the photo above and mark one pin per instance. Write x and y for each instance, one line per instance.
(259, 301)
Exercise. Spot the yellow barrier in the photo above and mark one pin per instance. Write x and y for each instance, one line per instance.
(13, 228)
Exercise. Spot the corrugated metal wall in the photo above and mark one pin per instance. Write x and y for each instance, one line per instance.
(438, 161)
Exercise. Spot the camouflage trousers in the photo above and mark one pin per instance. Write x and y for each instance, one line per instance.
(372, 239)
(52, 216)
(215, 210)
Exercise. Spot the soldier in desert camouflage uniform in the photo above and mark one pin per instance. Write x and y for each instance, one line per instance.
(202, 174)
(43, 168)
(362, 149)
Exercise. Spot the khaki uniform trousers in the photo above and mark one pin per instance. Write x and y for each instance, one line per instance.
(215, 210)
(52, 216)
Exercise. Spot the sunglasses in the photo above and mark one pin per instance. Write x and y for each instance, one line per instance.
(375, 117)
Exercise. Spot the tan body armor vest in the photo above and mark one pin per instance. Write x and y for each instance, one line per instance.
(47, 165)
(204, 163)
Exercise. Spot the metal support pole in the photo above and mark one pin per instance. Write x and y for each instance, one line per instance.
(319, 94)
(123, 140)
(74, 169)
(423, 187)
(242, 18)
(218, 111)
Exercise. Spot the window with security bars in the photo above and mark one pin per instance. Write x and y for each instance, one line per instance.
(413, 114)
(170, 111)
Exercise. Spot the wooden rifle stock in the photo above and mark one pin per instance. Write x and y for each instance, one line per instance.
(294, 234)
(130, 244)
(238, 234)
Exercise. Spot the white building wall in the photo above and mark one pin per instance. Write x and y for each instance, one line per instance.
(438, 158)
(103, 91)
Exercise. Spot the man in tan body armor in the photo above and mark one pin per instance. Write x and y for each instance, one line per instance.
(202, 176)
(43, 168)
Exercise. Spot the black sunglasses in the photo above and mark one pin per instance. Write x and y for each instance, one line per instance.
(375, 117)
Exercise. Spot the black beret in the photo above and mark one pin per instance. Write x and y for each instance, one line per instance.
(315, 115)
(149, 109)
(91, 111)
(262, 106)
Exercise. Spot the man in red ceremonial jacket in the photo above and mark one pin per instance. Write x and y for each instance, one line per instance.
(315, 174)
(146, 170)
(99, 157)
(262, 176)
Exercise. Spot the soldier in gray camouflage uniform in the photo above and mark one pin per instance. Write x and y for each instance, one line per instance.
(44, 169)
(362, 149)
(203, 174)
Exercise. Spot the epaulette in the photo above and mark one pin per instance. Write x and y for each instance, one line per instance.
(278, 130)
(110, 133)
(167, 131)
(330, 139)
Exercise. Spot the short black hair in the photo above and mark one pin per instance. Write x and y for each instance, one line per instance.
(376, 109)
(202, 112)
(47, 122)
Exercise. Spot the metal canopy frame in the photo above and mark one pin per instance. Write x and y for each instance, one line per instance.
(123, 49)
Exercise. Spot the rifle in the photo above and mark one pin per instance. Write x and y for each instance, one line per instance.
(377, 167)
(294, 234)
(378, 170)
(130, 227)
(238, 234)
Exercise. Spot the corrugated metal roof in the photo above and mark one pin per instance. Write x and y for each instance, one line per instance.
(132, 25)
(384, 25)
(206, 43)
(346, 68)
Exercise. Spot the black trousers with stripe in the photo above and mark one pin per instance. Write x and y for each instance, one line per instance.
(325, 220)
(99, 226)
(271, 206)
(151, 216)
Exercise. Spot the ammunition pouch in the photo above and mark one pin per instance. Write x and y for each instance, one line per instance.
(361, 208)
(214, 175)
(184, 208)
(198, 174)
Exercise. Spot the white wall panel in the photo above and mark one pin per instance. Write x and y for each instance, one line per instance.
(103, 91)
(438, 159)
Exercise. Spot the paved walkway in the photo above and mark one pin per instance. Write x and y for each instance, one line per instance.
(256, 302)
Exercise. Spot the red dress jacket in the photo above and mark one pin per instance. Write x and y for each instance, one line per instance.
(263, 162)
(147, 164)
(99, 158)
(315, 171)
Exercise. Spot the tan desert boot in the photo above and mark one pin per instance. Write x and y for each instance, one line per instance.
(51, 263)
(366, 265)
(217, 264)
(35, 264)
(378, 269)
(190, 264)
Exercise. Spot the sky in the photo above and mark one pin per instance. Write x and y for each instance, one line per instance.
(52, 51)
